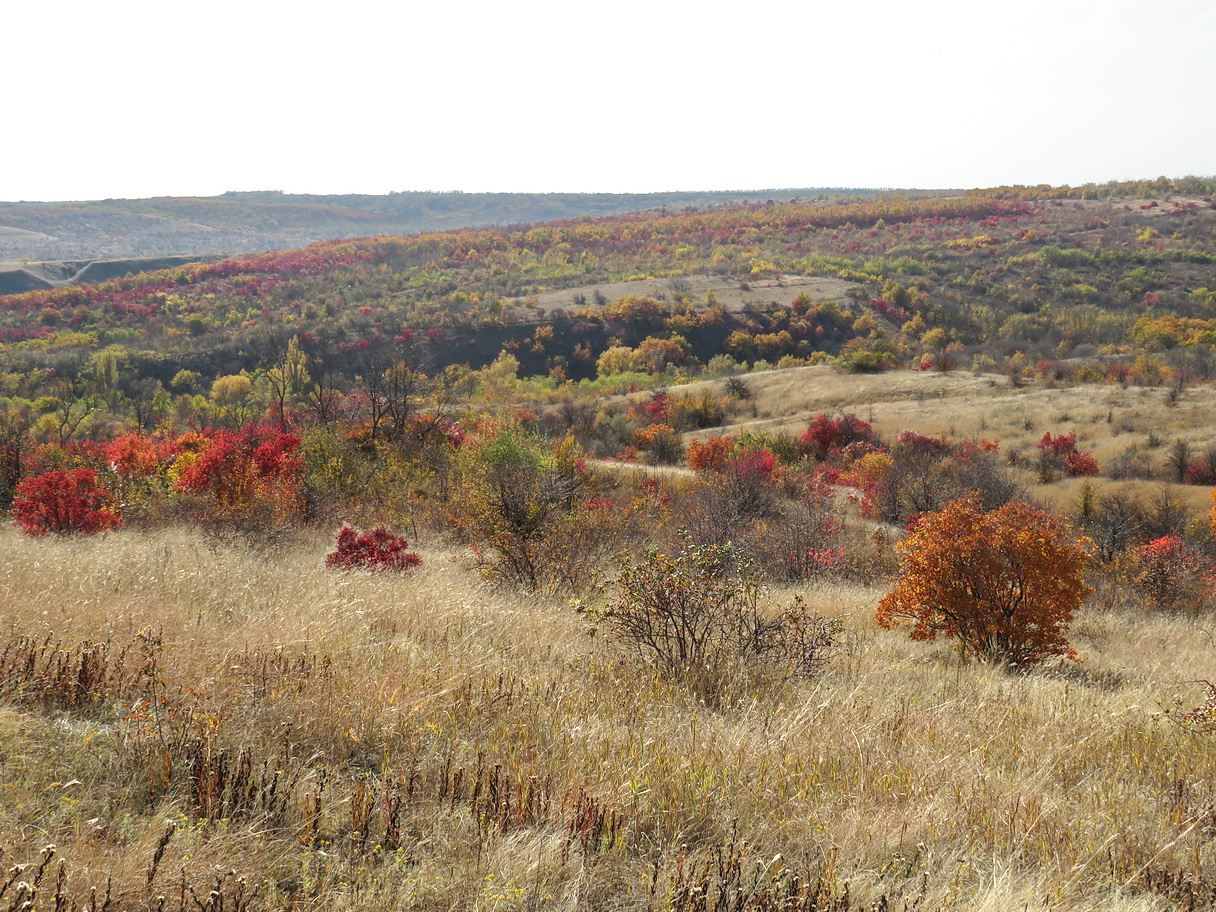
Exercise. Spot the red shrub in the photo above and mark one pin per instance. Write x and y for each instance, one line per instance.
(242, 472)
(379, 550)
(910, 442)
(63, 502)
(825, 436)
(1060, 454)
(1080, 464)
(1170, 574)
(1201, 472)
(759, 464)
(710, 455)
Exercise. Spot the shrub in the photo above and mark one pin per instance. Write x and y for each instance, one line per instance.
(63, 502)
(251, 478)
(1005, 584)
(379, 550)
(524, 509)
(661, 444)
(826, 436)
(1060, 454)
(728, 499)
(711, 454)
(1202, 470)
(1169, 574)
(696, 616)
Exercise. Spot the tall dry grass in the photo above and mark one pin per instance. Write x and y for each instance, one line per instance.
(303, 738)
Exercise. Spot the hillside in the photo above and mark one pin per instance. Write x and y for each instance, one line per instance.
(241, 222)
(899, 281)
(820, 555)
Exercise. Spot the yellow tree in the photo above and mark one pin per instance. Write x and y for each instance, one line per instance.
(1005, 584)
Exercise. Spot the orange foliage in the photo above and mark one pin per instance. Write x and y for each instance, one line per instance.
(1005, 584)
(710, 455)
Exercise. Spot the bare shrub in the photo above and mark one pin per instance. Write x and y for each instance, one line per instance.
(695, 615)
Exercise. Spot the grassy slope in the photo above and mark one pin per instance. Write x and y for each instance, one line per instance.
(1108, 419)
(900, 771)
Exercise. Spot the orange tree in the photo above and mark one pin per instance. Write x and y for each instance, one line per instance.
(1005, 584)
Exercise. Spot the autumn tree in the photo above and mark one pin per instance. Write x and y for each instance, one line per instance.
(1004, 584)
(15, 443)
(286, 379)
(232, 400)
(826, 436)
(251, 479)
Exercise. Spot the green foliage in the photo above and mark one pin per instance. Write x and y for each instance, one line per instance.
(517, 504)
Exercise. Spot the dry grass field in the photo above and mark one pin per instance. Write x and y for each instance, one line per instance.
(1108, 419)
(283, 736)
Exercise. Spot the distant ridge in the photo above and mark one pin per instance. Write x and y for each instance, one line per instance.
(247, 221)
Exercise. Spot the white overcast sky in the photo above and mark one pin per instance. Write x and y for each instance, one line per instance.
(137, 98)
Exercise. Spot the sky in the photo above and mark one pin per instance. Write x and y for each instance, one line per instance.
(141, 98)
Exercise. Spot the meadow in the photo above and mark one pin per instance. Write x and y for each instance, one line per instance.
(193, 722)
(201, 708)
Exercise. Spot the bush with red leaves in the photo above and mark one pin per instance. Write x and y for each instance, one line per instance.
(379, 550)
(1059, 454)
(826, 436)
(1171, 575)
(63, 502)
(253, 477)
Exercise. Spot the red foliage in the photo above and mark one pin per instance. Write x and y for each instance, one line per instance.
(656, 407)
(1171, 575)
(1080, 464)
(379, 551)
(814, 562)
(825, 436)
(1062, 451)
(758, 464)
(1200, 472)
(889, 310)
(238, 469)
(134, 455)
(1060, 445)
(63, 502)
(912, 442)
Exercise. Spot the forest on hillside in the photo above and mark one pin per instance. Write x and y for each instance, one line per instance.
(971, 282)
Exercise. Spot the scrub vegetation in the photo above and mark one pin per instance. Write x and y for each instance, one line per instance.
(354, 577)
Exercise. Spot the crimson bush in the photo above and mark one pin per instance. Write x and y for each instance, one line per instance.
(63, 502)
(379, 550)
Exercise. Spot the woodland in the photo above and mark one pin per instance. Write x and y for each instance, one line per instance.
(849, 551)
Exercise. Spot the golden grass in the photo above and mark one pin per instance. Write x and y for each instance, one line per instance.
(901, 772)
(1107, 418)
